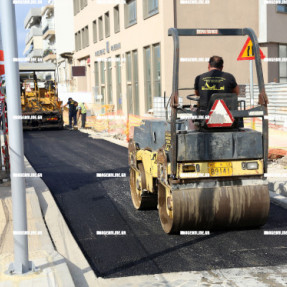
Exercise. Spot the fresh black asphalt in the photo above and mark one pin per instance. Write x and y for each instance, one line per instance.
(70, 161)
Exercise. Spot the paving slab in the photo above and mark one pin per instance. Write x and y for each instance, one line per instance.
(63, 239)
(235, 277)
(52, 269)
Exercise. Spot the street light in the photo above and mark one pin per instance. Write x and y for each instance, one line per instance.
(21, 263)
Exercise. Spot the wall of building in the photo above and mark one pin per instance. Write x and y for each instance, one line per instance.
(276, 34)
(64, 25)
(65, 43)
(276, 25)
(217, 14)
(146, 32)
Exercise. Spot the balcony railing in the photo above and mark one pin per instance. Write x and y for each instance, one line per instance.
(34, 31)
(48, 25)
(37, 53)
(33, 17)
(49, 52)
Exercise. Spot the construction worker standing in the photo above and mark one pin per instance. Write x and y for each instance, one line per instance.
(72, 111)
(83, 112)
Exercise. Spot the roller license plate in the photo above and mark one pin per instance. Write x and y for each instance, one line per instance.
(220, 168)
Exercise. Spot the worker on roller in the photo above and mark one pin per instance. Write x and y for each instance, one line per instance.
(214, 81)
(82, 108)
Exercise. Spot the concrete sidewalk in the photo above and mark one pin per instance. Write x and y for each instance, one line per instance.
(277, 134)
(52, 267)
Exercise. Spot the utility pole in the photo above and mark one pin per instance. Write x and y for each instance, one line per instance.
(21, 263)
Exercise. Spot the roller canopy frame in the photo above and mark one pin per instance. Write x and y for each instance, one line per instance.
(215, 32)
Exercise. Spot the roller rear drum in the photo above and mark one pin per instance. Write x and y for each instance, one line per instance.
(213, 208)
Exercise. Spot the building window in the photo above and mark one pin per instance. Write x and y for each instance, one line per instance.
(97, 82)
(129, 82)
(116, 19)
(109, 81)
(119, 83)
(97, 74)
(156, 71)
(83, 38)
(147, 78)
(282, 65)
(103, 80)
(76, 42)
(79, 41)
(101, 31)
(87, 37)
(76, 7)
(107, 24)
(281, 8)
(130, 13)
(83, 3)
(95, 31)
(152, 74)
(135, 83)
(150, 8)
(132, 82)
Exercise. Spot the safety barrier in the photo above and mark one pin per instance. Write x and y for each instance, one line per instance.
(114, 123)
(277, 107)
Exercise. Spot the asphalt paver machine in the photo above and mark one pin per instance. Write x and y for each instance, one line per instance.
(40, 104)
(211, 177)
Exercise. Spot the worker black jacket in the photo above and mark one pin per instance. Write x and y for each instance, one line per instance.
(214, 81)
(72, 107)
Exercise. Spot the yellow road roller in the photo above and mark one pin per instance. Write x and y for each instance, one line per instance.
(209, 177)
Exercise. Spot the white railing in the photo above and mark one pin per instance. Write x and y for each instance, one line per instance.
(277, 107)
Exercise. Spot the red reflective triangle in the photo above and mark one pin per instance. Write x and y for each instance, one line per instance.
(2, 70)
(219, 115)
(1, 56)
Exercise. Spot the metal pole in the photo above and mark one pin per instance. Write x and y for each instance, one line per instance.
(174, 100)
(251, 91)
(21, 264)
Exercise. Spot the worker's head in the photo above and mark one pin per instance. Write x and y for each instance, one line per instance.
(215, 62)
(69, 99)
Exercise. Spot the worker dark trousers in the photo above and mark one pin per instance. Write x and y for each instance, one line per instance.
(72, 116)
(84, 117)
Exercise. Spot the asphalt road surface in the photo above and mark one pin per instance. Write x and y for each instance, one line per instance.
(70, 161)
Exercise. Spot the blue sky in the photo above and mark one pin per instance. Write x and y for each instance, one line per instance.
(21, 12)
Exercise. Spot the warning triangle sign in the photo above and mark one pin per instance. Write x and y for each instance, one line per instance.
(247, 52)
(219, 115)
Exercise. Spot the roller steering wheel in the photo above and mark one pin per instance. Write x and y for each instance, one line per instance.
(193, 97)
